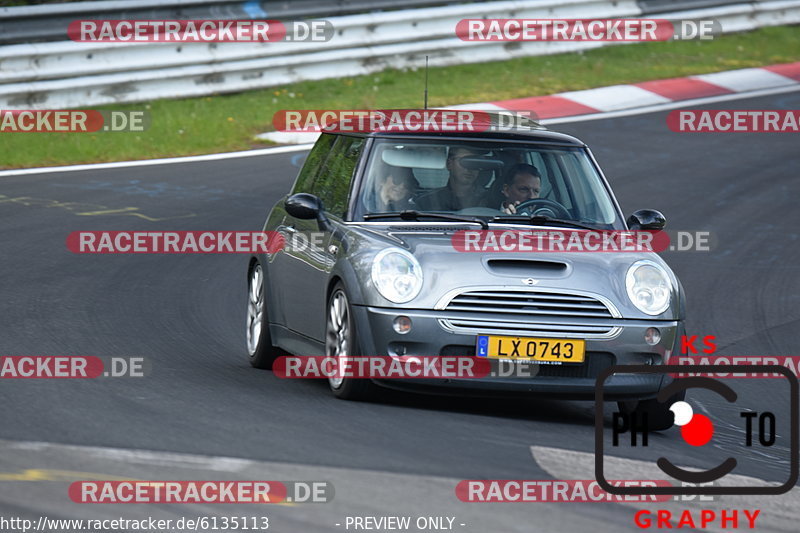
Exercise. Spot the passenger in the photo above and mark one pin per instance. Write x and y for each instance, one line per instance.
(523, 182)
(462, 189)
(394, 190)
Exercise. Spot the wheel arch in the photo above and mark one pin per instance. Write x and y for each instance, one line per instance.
(354, 293)
(344, 273)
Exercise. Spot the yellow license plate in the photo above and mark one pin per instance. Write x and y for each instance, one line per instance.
(531, 349)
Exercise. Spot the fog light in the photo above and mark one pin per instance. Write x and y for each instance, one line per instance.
(652, 336)
(402, 324)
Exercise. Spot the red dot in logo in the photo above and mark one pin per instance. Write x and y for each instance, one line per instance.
(698, 431)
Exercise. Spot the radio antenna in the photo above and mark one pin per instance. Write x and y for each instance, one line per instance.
(426, 82)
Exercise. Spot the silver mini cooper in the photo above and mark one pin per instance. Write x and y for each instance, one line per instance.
(380, 274)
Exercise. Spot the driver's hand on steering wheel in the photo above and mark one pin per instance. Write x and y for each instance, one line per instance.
(510, 208)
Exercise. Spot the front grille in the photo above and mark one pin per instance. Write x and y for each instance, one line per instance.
(528, 312)
(531, 303)
(595, 363)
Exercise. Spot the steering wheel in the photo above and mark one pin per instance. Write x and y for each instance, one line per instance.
(542, 207)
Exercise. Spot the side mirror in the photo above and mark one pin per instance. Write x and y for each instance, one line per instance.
(646, 219)
(303, 206)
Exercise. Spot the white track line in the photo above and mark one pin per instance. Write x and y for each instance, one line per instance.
(163, 161)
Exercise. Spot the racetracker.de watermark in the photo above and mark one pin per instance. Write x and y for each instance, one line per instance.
(559, 241)
(200, 31)
(734, 121)
(136, 491)
(207, 492)
(72, 120)
(175, 242)
(575, 240)
(552, 490)
(735, 366)
(400, 120)
(597, 30)
(381, 367)
(71, 366)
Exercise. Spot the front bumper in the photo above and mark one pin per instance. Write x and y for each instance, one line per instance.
(428, 337)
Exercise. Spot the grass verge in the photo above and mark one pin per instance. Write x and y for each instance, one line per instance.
(229, 122)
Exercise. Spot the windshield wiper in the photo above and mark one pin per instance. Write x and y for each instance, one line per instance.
(542, 221)
(415, 215)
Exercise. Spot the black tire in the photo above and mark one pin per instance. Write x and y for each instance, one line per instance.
(658, 415)
(358, 389)
(260, 350)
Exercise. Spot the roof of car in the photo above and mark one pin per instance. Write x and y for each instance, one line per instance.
(543, 135)
(486, 127)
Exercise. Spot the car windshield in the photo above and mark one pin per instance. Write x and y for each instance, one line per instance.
(507, 182)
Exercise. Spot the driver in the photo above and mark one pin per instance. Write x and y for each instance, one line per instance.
(523, 182)
(462, 189)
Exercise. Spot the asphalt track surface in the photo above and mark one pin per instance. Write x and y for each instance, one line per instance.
(404, 454)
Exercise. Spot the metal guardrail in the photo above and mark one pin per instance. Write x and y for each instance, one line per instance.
(70, 74)
(41, 23)
(29, 24)
(654, 7)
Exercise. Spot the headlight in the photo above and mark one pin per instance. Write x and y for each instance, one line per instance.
(649, 287)
(397, 275)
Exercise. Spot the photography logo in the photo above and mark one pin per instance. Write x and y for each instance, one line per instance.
(758, 430)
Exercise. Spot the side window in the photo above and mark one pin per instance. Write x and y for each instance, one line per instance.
(588, 189)
(536, 159)
(568, 194)
(559, 189)
(333, 179)
(310, 171)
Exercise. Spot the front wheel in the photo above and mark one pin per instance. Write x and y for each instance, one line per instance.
(259, 342)
(340, 342)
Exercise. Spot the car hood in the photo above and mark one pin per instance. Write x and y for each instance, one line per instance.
(448, 271)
